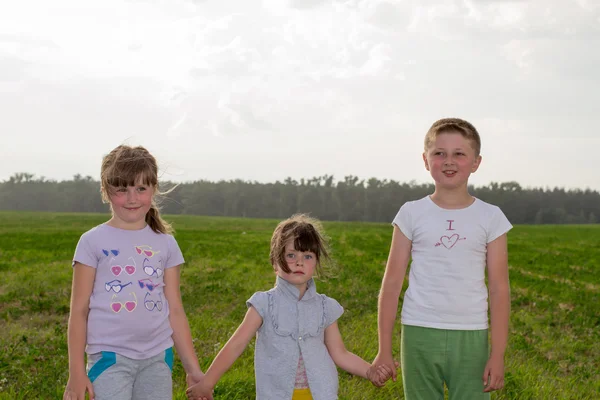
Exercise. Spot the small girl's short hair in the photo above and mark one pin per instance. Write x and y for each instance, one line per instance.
(307, 234)
(457, 125)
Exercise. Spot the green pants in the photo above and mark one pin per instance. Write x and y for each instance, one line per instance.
(432, 357)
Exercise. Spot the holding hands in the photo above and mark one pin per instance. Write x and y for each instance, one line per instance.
(380, 374)
(386, 364)
(199, 389)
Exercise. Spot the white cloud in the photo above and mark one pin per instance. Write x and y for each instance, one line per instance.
(357, 79)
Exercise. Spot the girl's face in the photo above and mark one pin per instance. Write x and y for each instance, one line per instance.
(302, 266)
(130, 205)
(451, 160)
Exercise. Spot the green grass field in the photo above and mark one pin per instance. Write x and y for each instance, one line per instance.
(554, 346)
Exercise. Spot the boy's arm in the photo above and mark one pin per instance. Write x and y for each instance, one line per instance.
(182, 337)
(230, 352)
(497, 265)
(391, 287)
(81, 291)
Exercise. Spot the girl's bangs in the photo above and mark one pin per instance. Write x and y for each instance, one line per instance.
(131, 174)
(307, 240)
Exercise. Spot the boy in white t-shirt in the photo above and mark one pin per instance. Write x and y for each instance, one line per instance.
(452, 237)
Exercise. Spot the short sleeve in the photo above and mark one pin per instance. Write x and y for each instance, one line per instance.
(403, 221)
(499, 225)
(84, 253)
(260, 302)
(174, 256)
(333, 310)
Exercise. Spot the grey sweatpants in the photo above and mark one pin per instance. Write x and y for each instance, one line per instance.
(116, 377)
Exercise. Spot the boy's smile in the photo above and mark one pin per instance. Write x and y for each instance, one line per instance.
(451, 159)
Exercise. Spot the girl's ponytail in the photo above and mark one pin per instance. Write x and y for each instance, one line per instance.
(155, 221)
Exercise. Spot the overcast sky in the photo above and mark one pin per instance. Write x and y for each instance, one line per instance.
(263, 90)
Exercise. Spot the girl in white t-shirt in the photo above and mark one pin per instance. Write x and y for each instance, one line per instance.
(452, 237)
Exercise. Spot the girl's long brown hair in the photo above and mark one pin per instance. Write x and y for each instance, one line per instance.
(127, 166)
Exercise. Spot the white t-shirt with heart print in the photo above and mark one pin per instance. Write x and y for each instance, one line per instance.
(446, 284)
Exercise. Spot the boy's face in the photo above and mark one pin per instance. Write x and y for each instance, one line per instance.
(451, 159)
(302, 265)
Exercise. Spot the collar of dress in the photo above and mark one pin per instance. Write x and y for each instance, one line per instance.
(291, 292)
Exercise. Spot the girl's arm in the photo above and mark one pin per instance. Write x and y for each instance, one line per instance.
(81, 290)
(182, 337)
(228, 354)
(344, 359)
(497, 265)
(391, 287)
(349, 361)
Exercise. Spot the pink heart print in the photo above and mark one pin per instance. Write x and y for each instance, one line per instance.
(449, 242)
(129, 305)
(117, 269)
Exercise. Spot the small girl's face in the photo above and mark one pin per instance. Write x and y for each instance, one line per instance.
(302, 265)
(131, 204)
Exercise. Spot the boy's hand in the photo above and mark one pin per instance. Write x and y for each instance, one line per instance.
(77, 386)
(493, 374)
(200, 390)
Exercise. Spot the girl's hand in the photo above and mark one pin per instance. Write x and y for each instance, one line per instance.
(387, 360)
(493, 375)
(193, 378)
(77, 386)
(200, 390)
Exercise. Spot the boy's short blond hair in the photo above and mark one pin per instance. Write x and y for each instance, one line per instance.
(457, 125)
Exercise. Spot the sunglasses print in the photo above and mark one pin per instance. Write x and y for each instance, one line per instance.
(115, 286)
(129, 268)
(148, 284)
(152, 304)
(113, 252)
(150, 270)
(117, 306)
(147, 250)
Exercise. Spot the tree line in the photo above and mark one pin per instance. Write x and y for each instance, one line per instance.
(350, 199)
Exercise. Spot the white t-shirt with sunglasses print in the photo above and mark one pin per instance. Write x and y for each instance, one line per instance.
(129, 314)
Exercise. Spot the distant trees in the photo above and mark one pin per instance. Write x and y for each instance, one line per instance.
(350, 199)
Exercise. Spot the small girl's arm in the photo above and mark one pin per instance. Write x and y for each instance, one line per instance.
(350, 362)
(229, 353)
